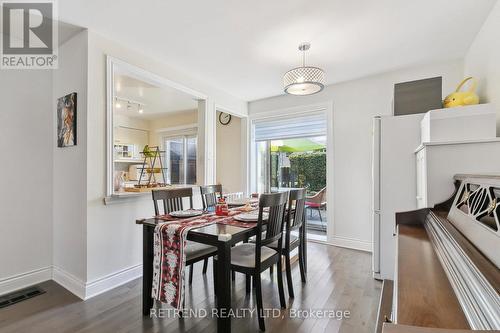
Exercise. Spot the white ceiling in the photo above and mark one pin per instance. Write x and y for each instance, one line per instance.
(155, 101)
(65, 30)
(245, 47)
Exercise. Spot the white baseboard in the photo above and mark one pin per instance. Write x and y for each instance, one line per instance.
(108, 282)
(351, 243)
(24, 280)
(69, 281)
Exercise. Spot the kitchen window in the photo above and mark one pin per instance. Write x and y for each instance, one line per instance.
(180, 159)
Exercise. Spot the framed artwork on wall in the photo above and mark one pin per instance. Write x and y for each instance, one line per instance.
(66, 120)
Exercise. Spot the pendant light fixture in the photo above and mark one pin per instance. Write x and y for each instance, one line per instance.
(305, 80)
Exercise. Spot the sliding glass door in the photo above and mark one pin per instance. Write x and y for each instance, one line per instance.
(291, 152)
(180, 159)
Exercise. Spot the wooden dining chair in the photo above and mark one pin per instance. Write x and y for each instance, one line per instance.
(252, 259)
(210, 194)
(172, 200)
(294, 221)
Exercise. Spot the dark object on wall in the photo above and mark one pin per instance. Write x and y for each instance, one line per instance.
(66, 121)
(418, 96)
(224, 118)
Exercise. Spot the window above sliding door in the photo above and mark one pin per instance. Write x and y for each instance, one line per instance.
(289, 127)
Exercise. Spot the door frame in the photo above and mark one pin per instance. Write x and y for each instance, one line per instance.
(325, 108)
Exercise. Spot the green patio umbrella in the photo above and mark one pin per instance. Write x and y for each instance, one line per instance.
(296, 145)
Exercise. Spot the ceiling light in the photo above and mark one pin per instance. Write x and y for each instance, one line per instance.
(305, 80)
(141, 110)
(117, 104)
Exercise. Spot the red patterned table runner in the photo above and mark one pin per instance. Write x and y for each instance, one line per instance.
(170, 239)
(227, 220)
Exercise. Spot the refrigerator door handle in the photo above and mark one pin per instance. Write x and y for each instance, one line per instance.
(376, 243)
(376, 163)
(376, 195)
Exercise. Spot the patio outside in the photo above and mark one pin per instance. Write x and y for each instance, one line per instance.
(301, 163)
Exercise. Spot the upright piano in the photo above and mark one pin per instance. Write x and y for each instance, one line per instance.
(447, 276)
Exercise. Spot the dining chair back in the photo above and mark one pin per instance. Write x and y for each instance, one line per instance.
(210, 194)
(295, 217)
(276, 203)
(252, 259)
(294, 220)
(172, 199)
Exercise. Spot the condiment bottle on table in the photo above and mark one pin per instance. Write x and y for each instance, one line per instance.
(222, 209)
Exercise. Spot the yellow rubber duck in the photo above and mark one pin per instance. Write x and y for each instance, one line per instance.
(462, 98)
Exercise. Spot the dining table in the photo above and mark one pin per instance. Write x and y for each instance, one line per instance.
(221, 236)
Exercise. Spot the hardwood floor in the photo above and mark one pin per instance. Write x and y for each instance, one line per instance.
(338, 279)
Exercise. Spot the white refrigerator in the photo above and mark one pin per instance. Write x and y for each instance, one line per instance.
(395, 139)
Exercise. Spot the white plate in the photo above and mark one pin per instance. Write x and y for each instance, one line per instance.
(250, 217)
(186, 213)
(241, 201)
(237, 202)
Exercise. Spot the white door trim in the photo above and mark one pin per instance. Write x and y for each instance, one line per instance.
(325, 108)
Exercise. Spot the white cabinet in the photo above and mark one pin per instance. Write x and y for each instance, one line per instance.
(437, 163)
(473, 122)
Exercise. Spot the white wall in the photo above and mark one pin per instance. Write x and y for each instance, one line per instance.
(114, 241)
(26, 146)
(228, 152)
(181, 118)
(98, 241)
(354, 105)
(483, 61)
(70, 168)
